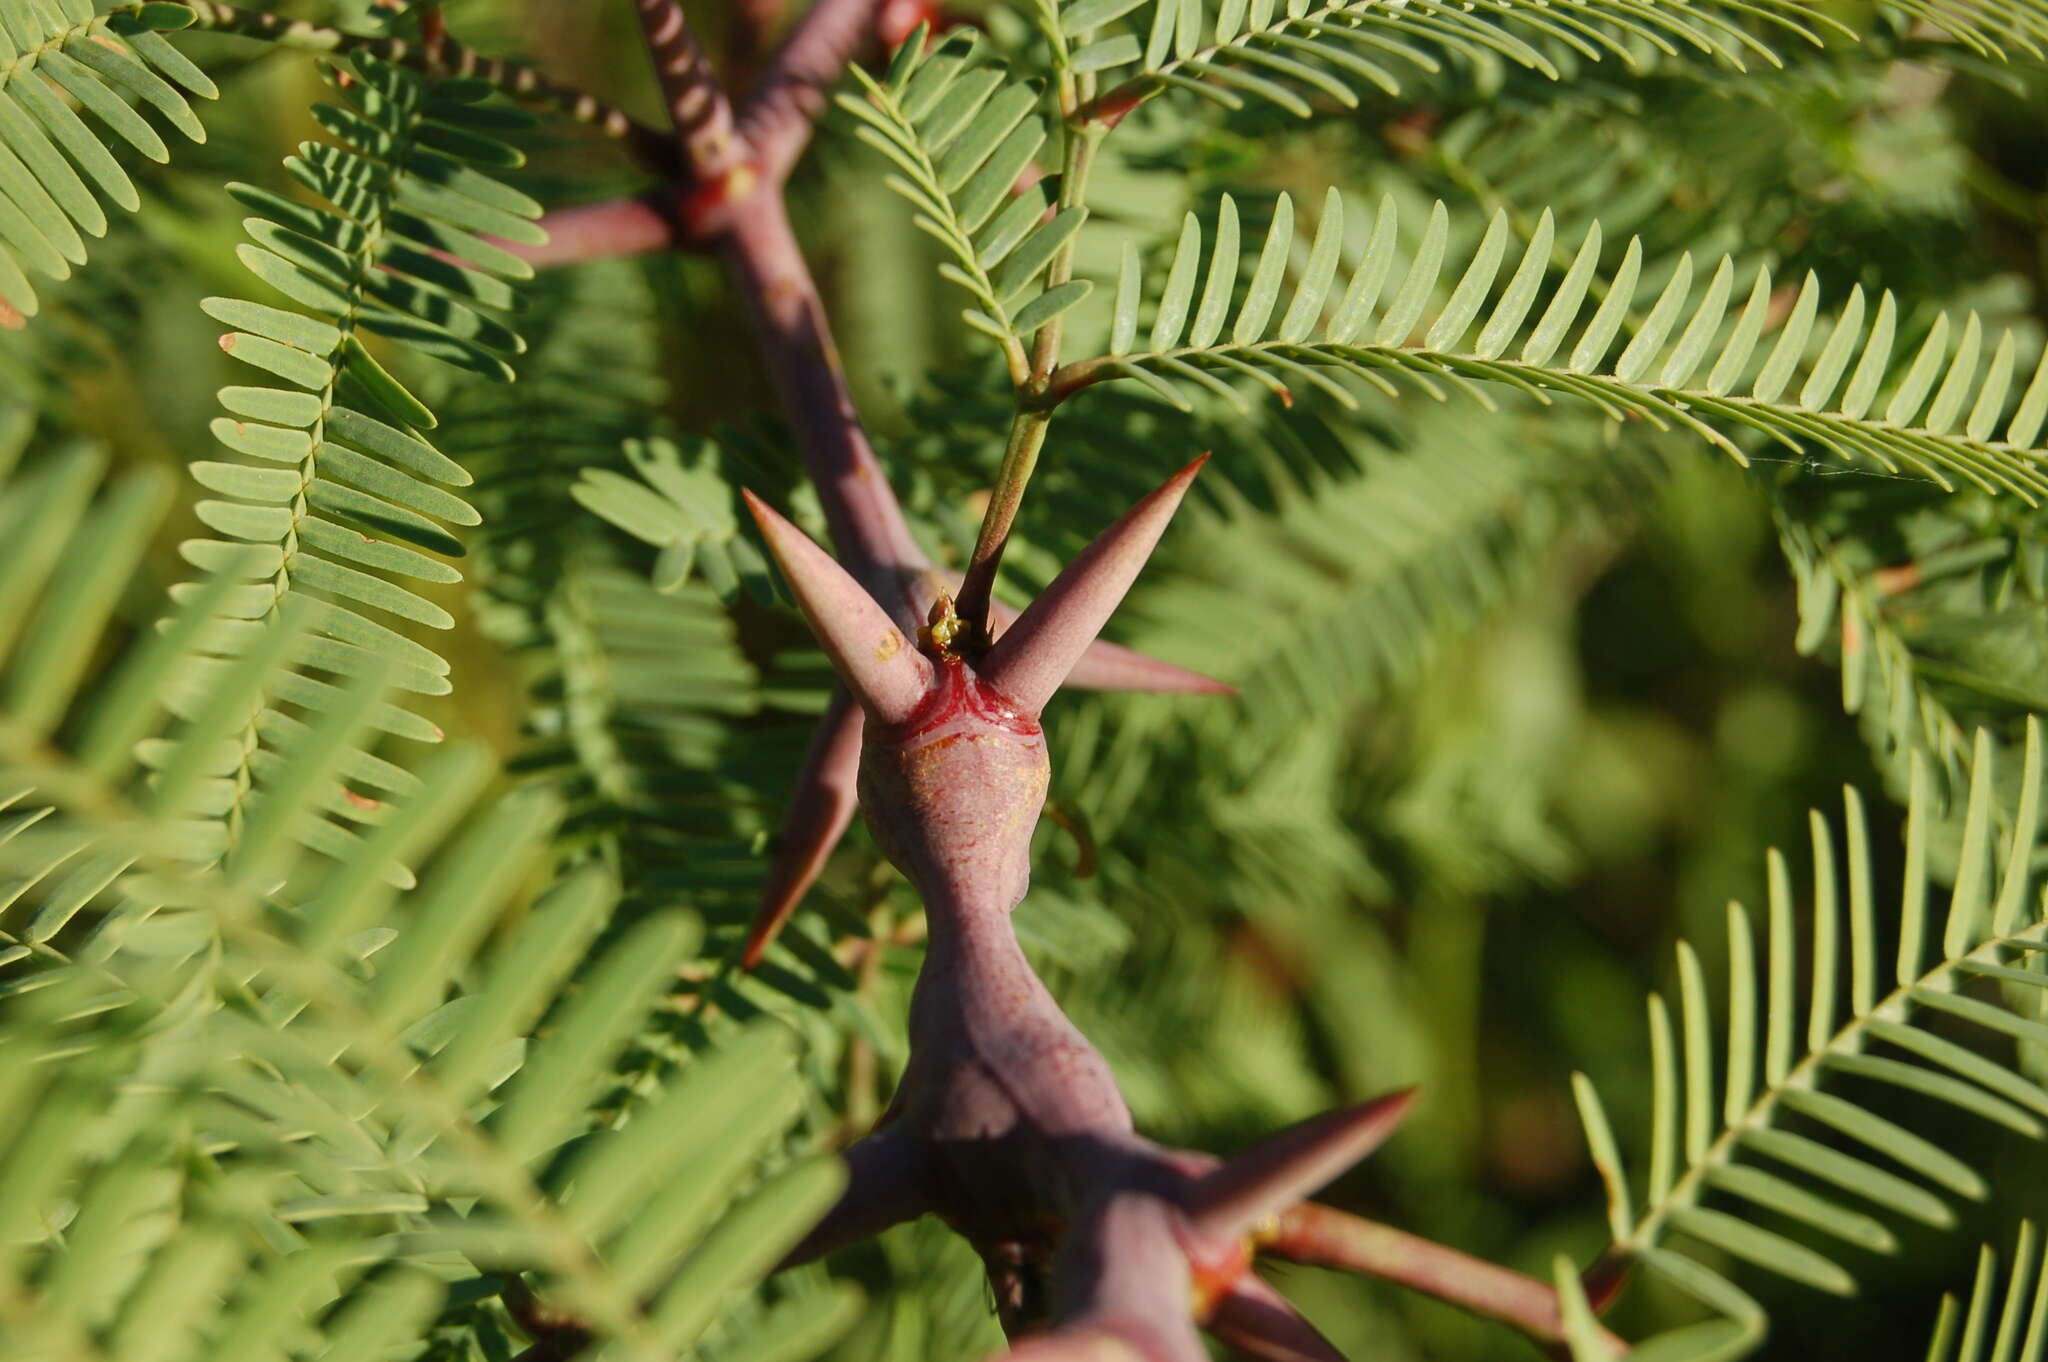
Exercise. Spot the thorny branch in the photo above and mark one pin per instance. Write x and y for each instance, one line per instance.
(735, 207)
(1007, 1123)
(602, 231)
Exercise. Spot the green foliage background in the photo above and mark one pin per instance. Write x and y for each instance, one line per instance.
(1525, 694)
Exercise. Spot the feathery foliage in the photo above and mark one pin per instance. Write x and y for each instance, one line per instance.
(336, 1104)
(52, 54)
(1709, 1123)
(1691, 362)
(960, 135)
(323, 1040)
(1287, 54)
(1931, 647)
(2020, 1327)
(682, 505)
(336, 488)
(1327, 598)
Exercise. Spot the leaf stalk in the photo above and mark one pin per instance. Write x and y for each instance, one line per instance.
(1020, 457)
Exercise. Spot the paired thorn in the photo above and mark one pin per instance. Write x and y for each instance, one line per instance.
(889, 677)
(1110, 666)
(816, 819)
(1286, 1168)
(879, 665)
(1262, 1324)
(1033, 657)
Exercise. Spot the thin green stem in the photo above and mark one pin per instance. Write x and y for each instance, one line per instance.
(1020, 456)
(1080, 159)
(1028, 427)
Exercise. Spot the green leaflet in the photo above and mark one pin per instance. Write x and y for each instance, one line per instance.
(101, 63)
(1835, 1050)
(960, 136)
(1655, 378)
(1307, 49)
(684, 506)
(339, 469)
(1995, 1325)
(275, 1109)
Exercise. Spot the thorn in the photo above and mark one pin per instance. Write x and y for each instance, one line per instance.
(1030, 661)
(1326, 1237)
(1282, 1169)
(1262, 1324)
(1110, 666)
(878, 664)
(815, 820)
(885, 1186)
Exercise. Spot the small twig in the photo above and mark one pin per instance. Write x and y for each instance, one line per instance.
(1109, 108)
(1069, 379)
(703, 116)
(784, 107)
(1033, 415)
(1020, 456)
(441, 56)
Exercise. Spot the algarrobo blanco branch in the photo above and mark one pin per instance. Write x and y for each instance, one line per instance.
(1007, 1124)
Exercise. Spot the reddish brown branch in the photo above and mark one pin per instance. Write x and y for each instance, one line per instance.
(600, 231)
(768, 269)
(780, 113)
(1007, 1122)
(733, 209)
(747, 38)
(442, 55)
